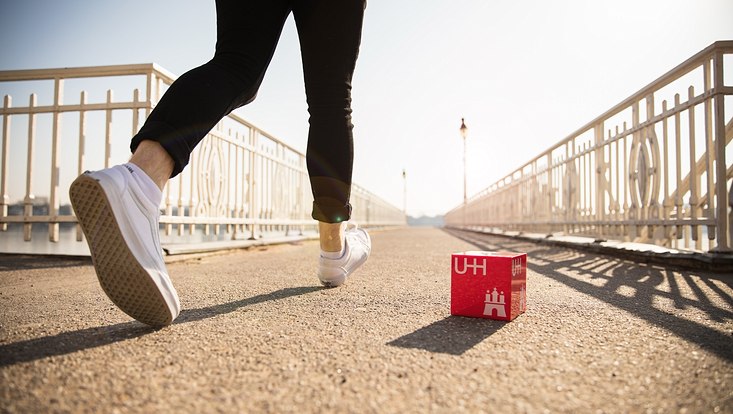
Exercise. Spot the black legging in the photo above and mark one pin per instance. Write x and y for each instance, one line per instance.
(247, 34)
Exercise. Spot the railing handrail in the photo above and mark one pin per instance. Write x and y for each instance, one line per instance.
(85, 72)
(138, 69)
(258, 186)
(649, 169)
(664, 80)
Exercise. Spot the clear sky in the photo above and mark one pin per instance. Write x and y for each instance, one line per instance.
(524, 73)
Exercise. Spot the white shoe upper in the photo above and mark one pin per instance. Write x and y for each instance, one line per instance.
(357, 247)
(138, 219)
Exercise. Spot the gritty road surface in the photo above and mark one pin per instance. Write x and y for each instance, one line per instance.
(258, 334)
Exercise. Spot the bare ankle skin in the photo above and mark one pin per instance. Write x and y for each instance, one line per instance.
(154, 160)
(332, 236)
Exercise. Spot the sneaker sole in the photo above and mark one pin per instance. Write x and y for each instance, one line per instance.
(333, 283)
(121, 276)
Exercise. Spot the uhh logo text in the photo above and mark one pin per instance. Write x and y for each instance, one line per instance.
(479, 263)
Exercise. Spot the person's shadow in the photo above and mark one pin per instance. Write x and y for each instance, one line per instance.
(73, 341)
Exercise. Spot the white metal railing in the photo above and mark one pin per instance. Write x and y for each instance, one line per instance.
(241, 183)
(652, 169)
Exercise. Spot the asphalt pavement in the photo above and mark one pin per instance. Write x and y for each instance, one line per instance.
(259, 334)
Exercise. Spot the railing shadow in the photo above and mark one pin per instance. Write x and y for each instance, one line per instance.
(453, 335)
(79, 340)
(617, 275)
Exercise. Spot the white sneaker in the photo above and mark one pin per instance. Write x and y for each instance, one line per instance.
(121, 227)
(357, 246)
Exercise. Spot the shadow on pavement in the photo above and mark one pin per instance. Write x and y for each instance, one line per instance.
(69, 342)
(193, 315)
(13, 261)
(79, 340)
(605, 277)
(453, 335)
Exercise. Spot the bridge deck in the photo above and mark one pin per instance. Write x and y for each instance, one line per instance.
(257, 333)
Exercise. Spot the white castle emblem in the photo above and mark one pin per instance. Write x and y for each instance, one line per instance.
(495, 302)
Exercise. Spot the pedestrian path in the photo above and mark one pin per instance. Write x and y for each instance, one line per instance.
(259, 334)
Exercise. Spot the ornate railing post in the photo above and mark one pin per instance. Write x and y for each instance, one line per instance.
(600, 181)
(721, 176)
(252, 182)
(4, 197)
(53, 207)
(29, 197)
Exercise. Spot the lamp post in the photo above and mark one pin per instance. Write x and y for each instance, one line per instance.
(464, 134)
(404, 192)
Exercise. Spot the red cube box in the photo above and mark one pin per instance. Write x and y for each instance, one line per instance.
(489, 285)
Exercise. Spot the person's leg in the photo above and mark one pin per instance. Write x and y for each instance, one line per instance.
(247, 34)
(118, 207)
(330, 34)
(154, 160)
(331, 236)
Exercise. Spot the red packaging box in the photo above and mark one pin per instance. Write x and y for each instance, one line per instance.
(489, 285)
